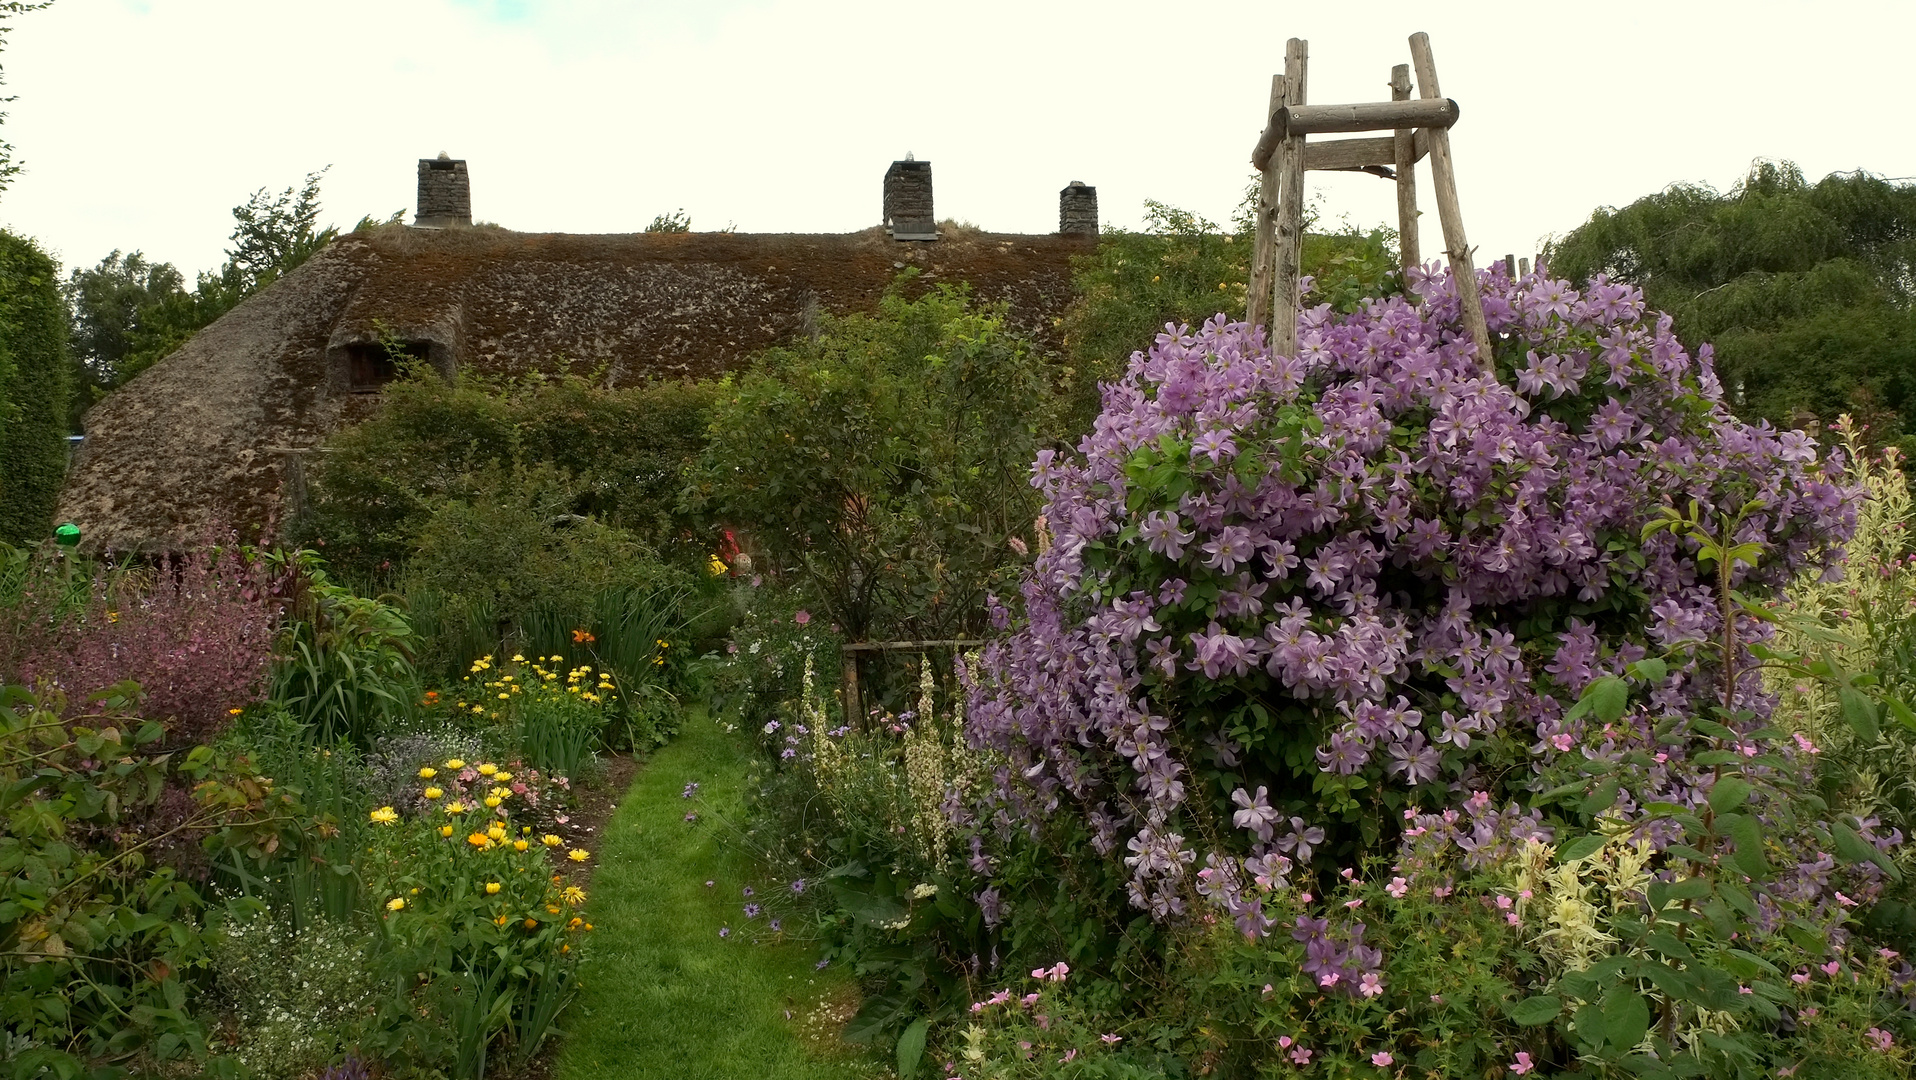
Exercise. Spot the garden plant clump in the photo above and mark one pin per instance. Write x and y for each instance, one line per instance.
(1298, 611)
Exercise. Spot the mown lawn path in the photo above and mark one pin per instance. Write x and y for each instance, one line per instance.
(664, 995)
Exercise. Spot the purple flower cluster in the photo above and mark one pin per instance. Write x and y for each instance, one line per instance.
(1408, 567)
(1340, 961)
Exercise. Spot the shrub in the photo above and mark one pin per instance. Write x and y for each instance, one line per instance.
(34, 379)
(344, 664)
(882, 462)
(195, 633)
(299, 998)
(102, 934)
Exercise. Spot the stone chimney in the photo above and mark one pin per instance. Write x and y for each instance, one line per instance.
(445, 194)
(1078, 209)
(908, 200)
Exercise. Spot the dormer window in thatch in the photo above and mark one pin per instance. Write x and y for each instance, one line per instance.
(373, 364)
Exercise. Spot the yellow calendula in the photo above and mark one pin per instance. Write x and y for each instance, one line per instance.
(428, 772)
(573, 895)
(501, 792)
(479, 840)
(455, 763)
(578, 854)
(520, 845)
(501, 777)
(385, 815)
(552, 841)
(492, 888)
(433, 793)
(456, 807)
(396, 903)
(493, 801)
(488, 769)
(445, 830)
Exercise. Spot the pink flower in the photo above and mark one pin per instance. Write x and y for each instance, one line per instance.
(1799, 977)
(1397, 888)
(1523, 1063)
(1511, 918)
(1503, 903)
(1108, 1038)
(1305, 897)
(1354, 904)
(1328, 978)
(1888, 954)
(1844, 900)
(1370, 985)
(1803, 742)
(802, 617)
(1381, 1058)
(1809, 1012)
(1068, 1055)
(1832, 968)
(1883, 1039)
(1301, 1056)
(1283, 1042)
(1029, 1000)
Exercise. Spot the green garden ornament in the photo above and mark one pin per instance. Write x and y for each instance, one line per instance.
(67, 535)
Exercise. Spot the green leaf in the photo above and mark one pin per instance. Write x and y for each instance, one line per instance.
(1581, 848)
(1603, 798)
(1860, 713)
(1608, 697)
(1749, 846)
(1536, 1010)
(1900, 711)
(1853, 848)
(911, 1047)
(1626, 1016)
(1729, 793)
(1650, 669)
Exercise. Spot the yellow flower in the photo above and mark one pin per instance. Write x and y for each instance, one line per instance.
(488, 769)
(575, 923)
(492, 888)
(501, 777)
(503, 919)
(501, 792)
(497, 832)
(550, 910)
(573, 689)
(519, 845)
(396, 903)
(234, 712)
(455, 763)
(445, 830)
(578, 854)
(552, 841)
(505, 697)
(428, 772)
(385, 815)
(517, 659)
(558, 659)
(492, 802)
(479, 840)
(573, 895)
(478, 708)
(455, 807)
(531, 923)
(594, 698)
(433, 793)
(716, 567)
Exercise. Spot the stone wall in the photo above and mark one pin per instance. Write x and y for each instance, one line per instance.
(445, 193)
(1078, 208)
(908, 212)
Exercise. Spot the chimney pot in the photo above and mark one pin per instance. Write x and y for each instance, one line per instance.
(908, 213)
(1078, 209)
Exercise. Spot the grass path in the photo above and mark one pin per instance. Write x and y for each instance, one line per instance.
(664, 995)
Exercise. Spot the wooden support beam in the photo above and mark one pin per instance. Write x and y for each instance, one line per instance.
(1407, 148)
(1443, 177)
(1358, 153)
(1258, 301)
(854, 701)
(1375, 116)
(910, 646)
(1289, 239)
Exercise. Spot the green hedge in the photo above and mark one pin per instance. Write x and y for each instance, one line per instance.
(33, 390)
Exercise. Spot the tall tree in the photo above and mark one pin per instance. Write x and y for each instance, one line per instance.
(1807, 291)
(9, 167)
(107, 300)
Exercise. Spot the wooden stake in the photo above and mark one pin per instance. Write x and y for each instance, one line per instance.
(1405, 143)
(1523, 267)
(1443, 177)
(1289, 239)
(1259, 304)
(854, 701)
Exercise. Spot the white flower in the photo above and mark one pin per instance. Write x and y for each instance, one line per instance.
(923, 890)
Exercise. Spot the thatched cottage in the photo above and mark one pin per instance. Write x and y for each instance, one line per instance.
(216, 431)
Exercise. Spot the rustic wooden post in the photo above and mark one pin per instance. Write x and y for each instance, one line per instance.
(854, 704)
(1443, 177)
(1405, 146)
(1259, 303)
(1523, 267)
(1289, 241)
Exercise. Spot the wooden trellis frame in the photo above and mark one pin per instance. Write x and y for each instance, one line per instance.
(1419, 127)
(854, 698)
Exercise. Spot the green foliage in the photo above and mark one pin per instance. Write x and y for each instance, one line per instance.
(1805, 289)
(677, 221)
(33, 390)
(1184, 269)
(299, 996)
(106, 301)
(579, 450)
(101, 931)
(344, 664)
(884, 462)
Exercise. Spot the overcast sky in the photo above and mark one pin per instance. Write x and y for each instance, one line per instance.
(143, 122)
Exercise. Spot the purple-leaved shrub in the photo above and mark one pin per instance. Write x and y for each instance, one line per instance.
(196, 632)
(1293, 603)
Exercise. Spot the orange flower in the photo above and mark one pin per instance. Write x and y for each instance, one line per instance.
(532, 924)
(581, 637)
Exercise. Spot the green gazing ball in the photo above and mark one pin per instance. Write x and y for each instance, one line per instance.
(67, 535)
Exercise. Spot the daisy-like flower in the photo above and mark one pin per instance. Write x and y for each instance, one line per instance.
(479, 840)
(578, 854)
(427, 772)
(385, 815)
(455, 764)
(550, 840)
(433, 793)
(488, 768)
(573, 895)
(455, 807)
(396, 903)
(492, 888)
(493, 801)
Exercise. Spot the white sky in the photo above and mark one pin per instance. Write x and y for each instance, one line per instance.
(143, 122)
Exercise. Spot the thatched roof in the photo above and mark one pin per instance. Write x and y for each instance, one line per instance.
(209, 433)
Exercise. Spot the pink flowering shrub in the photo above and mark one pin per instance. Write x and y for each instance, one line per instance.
(1291, 598)
(196, 632)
